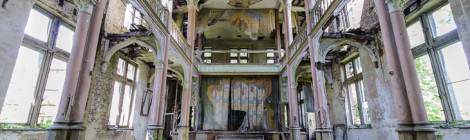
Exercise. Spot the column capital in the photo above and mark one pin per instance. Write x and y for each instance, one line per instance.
(85, 5)
(159, 65)
(192, 2)
(395, 5)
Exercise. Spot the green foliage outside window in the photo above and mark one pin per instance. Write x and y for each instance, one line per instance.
(432, 101)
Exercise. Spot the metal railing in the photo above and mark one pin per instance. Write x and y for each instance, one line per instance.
(252, 56)
(175, 32)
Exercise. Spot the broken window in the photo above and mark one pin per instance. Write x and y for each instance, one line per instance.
(356, 103)
(20, 95)
(38, 25)
(441, 65)
(132, 17)
(36, 84)
(122, 103)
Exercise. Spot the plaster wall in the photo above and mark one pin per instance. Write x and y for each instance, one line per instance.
(461, 13)
(114, 19)
(12, 25)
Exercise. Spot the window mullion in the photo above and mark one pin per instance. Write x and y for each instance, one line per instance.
(53, 32)
(40, 87)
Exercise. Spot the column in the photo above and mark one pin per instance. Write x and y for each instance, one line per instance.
(183, 127)
(75, 63)
(156, 115)
(400, 59)
(461, 12)
(62, 122)
(294, 125)
(79, 105)
(278, 35)
(323, 130)
(393, 64)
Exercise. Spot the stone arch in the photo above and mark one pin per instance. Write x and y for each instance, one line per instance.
(324, 50)
(156, 50)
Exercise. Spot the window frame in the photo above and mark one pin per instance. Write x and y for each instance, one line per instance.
(125, 81)
(431, 47)
(355, 80)
(49, 51)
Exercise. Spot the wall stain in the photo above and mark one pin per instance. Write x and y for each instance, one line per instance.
(4, 3)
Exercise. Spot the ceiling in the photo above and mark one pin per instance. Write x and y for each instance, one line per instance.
(223, 4)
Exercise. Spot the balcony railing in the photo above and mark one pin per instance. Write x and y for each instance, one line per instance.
(239, 56)
(321, 14)
(179, 38)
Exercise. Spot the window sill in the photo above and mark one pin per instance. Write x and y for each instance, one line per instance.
(450, 125)
(20, 127)
(116, 128)
(362, 126)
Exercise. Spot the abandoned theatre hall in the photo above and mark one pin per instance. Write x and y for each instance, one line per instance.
(234, 69)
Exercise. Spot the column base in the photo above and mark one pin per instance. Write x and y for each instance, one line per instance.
(295, 134)
(65, 131)
(324, 134)
(155, 132)
(182, 133)
(423, 131)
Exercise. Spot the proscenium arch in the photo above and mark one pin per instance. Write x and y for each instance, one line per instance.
(156, 50)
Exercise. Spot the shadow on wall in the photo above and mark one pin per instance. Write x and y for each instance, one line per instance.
(4, 3)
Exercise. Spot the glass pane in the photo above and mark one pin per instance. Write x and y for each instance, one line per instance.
(416, 34)
(53, 92)
(20, 95)
(114, 112)
(137, 18)
(458, 76)
(357, 63)
(365, 105)
(128, 16)
(443, 21)
(126, 106)
(130, 71)
(121, 67)
(65, 38)
(38, 25)
(354, 13)
(349, 70)
(427, 82)
(354, 104)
